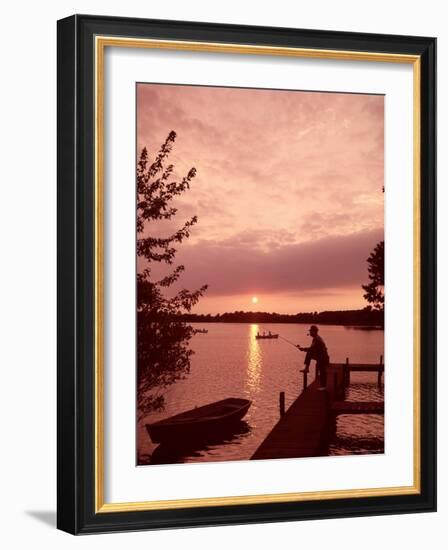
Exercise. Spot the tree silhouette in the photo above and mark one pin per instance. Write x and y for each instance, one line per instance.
(163, 353)
(374, 291)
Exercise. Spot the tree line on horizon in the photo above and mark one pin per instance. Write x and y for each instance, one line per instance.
(367, 316)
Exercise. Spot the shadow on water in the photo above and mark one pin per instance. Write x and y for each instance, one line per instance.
(180, 451)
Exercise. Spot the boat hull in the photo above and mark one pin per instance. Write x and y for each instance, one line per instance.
(180, 429)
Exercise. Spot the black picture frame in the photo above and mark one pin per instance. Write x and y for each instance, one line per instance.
(76, 275)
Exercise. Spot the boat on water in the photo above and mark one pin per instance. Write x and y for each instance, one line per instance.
(266, 336)
(199, 422)
(201, 331)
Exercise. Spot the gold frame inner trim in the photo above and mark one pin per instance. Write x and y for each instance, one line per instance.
(101, 42)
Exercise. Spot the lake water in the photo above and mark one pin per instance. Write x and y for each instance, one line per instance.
(230, 362)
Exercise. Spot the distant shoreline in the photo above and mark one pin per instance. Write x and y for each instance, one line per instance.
(354, 327)
(367, 318)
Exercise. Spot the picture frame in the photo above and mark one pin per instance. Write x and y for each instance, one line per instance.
(82, 42)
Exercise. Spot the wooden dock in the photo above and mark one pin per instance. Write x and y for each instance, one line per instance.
(359, 367)
(301, 431)
(306, 428)
(357, 407)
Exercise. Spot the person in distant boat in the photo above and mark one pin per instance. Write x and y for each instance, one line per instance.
(317, 351)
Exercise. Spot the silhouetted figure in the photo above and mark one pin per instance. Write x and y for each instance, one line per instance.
(317, 351)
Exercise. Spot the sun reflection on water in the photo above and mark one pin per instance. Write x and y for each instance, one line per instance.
(254, 361)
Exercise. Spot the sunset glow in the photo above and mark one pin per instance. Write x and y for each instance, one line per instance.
(288, 183)
(260, 214)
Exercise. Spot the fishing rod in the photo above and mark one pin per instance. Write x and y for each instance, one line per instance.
(289, 341)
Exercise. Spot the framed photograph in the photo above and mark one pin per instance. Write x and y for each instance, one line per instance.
(246, 274)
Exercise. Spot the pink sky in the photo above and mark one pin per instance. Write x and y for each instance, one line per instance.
(287, 192)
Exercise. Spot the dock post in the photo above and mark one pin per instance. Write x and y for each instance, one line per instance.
(347, 373)
(380, 371)
(282, 403)
(335, 386)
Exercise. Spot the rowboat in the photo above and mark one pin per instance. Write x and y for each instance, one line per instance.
(200, 422)
(266, 336)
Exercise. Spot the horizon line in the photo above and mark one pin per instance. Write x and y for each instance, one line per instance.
(316, 312)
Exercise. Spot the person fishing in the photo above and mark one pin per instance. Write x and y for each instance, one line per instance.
(317, 351)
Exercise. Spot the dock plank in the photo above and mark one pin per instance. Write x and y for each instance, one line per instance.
(300, 432)
(357, 407)
(360, 367)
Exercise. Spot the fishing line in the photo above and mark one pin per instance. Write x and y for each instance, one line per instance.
(289, 341)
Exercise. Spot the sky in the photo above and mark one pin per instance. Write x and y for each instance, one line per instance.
(288, 193)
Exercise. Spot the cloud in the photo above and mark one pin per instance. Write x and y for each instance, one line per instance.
(241, 266)
(288, 191)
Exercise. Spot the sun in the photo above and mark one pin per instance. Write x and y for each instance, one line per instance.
(254, 300)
